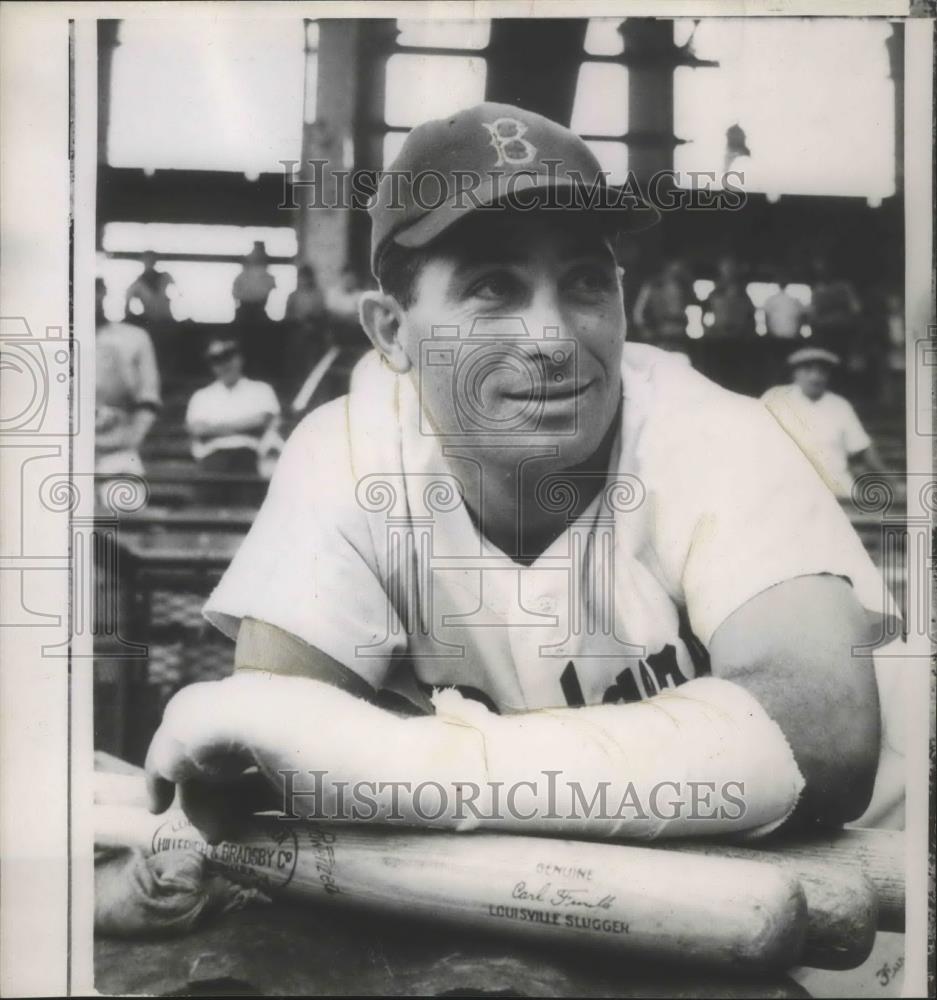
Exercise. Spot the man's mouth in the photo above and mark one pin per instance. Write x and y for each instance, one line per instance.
(550, 391)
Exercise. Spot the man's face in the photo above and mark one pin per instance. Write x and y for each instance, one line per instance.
(227, 367)
(813, 379)
(516, 334)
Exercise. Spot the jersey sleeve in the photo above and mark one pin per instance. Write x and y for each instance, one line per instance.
(854, 435)
(307, 564)
(739, 509)
(268, 400)
(147, 390)
(194, 409)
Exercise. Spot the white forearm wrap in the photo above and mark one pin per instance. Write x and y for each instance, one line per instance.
(700, 760)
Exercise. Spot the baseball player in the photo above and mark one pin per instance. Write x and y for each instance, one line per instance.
(824, 424)
(520, 545)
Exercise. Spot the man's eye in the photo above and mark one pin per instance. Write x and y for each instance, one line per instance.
(592, 279)
(493, 286)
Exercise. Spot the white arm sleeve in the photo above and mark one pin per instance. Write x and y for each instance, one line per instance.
(704, 759)
(700, 760)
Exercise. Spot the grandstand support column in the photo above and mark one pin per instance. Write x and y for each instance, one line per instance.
(108, 40)
(895, 45)
(377, 42)
(534, 63)
(651, 56)
(328, 150)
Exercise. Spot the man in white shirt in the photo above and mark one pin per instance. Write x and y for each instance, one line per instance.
(127, 391)
(586, 558)
(784, 314)
(824, 425)
(234, 421)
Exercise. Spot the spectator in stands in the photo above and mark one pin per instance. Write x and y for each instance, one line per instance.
(785, 316)
(834, 310)
(306, 319)
(234, 422)
(127, 391)
(151, 290)
(824, 425)
(251, 290)
(660, 310)
(253, 285)
(149, 298)
(306, 305)
(341, 301)
(728, 346)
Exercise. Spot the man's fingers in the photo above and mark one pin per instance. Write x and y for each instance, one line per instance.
(219, 810)
(209, 809)
(160, 790)
(193, 741)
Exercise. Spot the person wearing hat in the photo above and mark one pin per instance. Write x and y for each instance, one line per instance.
(522, 548)
(234, 421)
(823, 424)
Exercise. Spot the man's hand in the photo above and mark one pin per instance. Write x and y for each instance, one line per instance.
(225, 745)
(215, 752)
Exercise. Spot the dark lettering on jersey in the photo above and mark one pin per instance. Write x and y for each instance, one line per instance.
(663, 665)
(572, 691)
(655, 673)
(699, 654)
(625, 688)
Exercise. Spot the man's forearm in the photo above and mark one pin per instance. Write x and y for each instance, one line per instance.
(140, 424)
(701, 760)
(126, 435)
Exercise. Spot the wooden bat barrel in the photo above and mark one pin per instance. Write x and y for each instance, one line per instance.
(639, 901)
(842, 905)
(876, 854)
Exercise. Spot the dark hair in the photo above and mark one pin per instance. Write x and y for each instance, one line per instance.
(398, 269)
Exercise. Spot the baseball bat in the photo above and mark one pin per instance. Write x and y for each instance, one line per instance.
(639, 901)
(877, 854)
(842, 904)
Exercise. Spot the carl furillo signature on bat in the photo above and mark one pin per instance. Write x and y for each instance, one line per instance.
(561, 896)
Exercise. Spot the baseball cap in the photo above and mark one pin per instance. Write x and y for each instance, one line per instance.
(221, 347)
(488, 156)
(812, 355)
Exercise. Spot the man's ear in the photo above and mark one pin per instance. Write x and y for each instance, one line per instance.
(381, 318)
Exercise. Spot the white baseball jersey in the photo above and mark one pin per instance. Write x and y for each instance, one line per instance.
(827, 429)
(364, 548)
